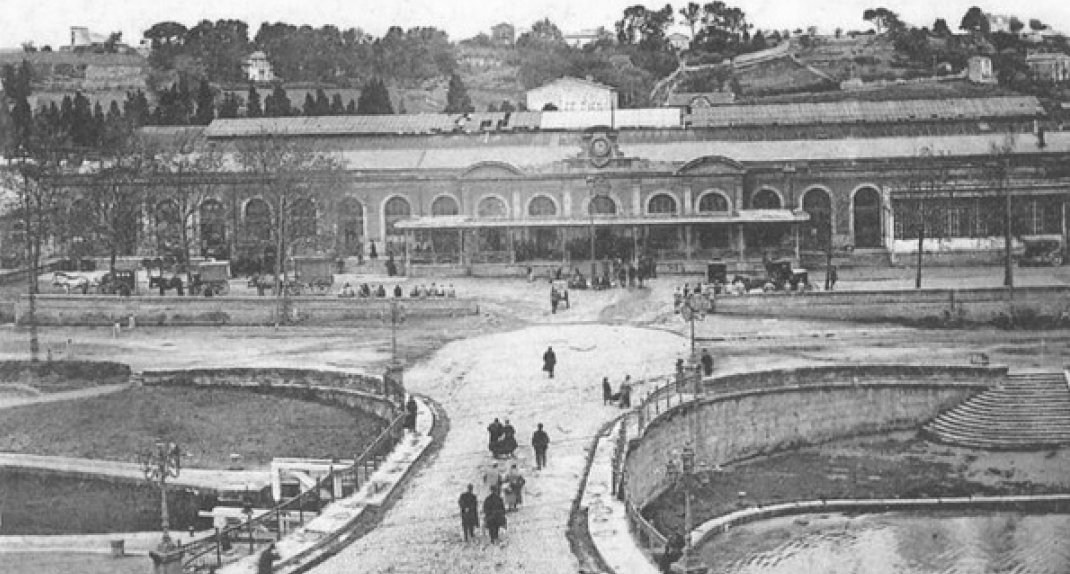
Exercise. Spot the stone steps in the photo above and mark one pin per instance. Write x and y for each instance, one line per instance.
(1028, 411)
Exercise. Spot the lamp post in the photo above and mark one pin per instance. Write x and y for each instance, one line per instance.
(158, 464)
(681, 469)
(694, 308)
(397, 316)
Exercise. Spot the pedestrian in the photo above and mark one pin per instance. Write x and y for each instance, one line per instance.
(372, 252)
(707, 362)
(494, 514)
(834, 276)
(555, 299)
(469, 512)
(631, 275)
(492, 479)
(494, 430)
(515, 483)
(410, 414)
(549, 361)
(540, 441)
(267, 557)
(626, 393)
(674, 550)
(607, 392)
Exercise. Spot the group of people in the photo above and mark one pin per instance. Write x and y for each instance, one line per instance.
(623, 397)
(379, 291)
(506, 491)
(502, 439)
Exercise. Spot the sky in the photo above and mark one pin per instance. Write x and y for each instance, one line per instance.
(48, 21)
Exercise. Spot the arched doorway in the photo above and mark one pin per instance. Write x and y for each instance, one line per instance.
(169, 231)
(867, 219)
(351, 226)
(213, 229)
(713, 238)
(818, 231)
(544, 242)
(767, 238)
(491, 239)
(606, 244)
(395, 210)
(664, 240)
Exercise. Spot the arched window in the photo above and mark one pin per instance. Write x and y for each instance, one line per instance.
(712, 202)
(492, 207)
(168, 228)
(395, 210)
(351, 225)
(258, 220)
(662, 204)
(818, 231)
(867, 218)
(542, 206)
(765, 199)
(602, 205)
(444, 205)
(303, 217)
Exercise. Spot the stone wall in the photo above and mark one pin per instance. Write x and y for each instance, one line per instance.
(973, 305)
(104, 310)
(351, 390)
(803, 410)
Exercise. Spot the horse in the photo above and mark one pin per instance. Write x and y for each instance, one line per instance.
(67, 281)
(165, 284)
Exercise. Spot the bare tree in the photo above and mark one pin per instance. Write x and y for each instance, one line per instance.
(926, 183)
(34, 205)
(997, 170)
(184, 173)
(287, 171)
(116, 197)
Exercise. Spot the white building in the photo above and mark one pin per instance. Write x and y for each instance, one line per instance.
(257, 68)
(573, 94)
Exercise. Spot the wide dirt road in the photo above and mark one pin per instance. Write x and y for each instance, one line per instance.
(499, 375)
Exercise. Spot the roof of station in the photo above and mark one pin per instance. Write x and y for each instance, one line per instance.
(814, 113)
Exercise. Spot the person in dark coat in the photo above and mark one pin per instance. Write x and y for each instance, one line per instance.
(540, 441)
(469, 512)
(267, 557)
(372, 252)
(410, 414)
(549, 361)
(707, 362)
(674, 550)
(494, 430)
(607, 392)
(506, 444)
(494, 514)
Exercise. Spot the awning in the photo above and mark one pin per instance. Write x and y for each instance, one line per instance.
(724, 218)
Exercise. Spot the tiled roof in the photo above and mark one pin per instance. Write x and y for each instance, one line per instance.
(865, 111)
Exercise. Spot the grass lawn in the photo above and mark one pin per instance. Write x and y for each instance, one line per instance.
(209, 423)
(869, 467)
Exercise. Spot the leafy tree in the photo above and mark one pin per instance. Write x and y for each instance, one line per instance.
(940, 28)
(17, 83)
(309, 107)
(883, 19)
(1036, 25)
(83, 130)
(166, 40)
(175, 106)
(724, 28)
(136, 110)
(374, 99)
(544, 34)
(253, 109)
(997, 170)
(277, 104)
(975, 21)
(205, 105)
(692, 14)
(1016, 25)
(457, 99)
(351, 108)
(644, 27)
(926, 180)
(337, 107)
(228, 108)
(220, 46)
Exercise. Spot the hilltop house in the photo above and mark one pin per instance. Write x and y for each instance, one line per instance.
(257, 68)
(573, 94)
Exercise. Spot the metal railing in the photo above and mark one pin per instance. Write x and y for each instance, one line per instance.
(272, 525)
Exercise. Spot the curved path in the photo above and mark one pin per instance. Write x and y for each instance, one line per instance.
(499, 375)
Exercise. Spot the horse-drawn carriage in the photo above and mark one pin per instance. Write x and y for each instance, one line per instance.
(305, 276)
(211, 278)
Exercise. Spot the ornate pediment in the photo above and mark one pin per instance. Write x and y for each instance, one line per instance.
(492, 170)
(712, 165)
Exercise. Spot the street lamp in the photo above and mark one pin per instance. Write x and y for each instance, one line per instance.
(397, 316)
(158, 464)
(693, 308)
(682, 470)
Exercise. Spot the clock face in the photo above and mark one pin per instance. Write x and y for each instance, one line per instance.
(599, 147)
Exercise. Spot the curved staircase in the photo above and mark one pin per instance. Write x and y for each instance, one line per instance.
(1028, 411)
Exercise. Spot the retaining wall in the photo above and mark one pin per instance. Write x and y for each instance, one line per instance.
(106, 310)
(372, 395)
(817, 406)
(974, 305)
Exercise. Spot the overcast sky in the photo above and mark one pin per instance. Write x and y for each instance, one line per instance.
(48, 21)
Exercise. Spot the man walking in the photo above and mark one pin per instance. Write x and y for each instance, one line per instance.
(540, 441)
(469, 513)
(494, 514)
(549, 361)
(707, 362)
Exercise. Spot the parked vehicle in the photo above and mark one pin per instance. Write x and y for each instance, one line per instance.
(122, 282)
(313, 275)
(211, 278)
(1041, 253)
